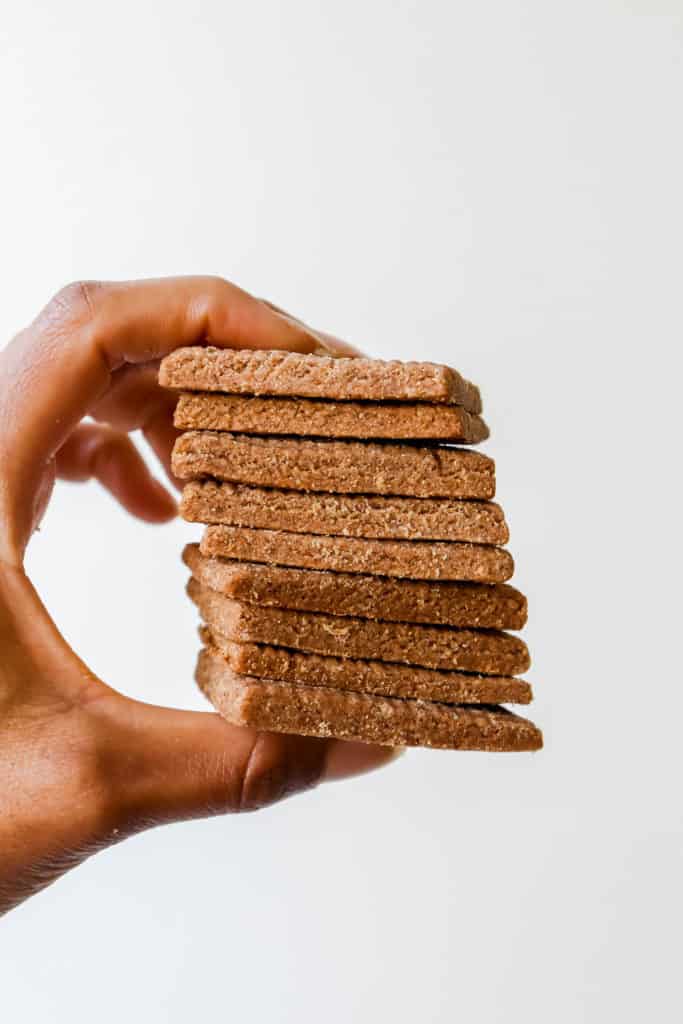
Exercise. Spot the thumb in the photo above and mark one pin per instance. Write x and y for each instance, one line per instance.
(187, 764)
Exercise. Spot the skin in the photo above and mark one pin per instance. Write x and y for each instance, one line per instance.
(81, 765)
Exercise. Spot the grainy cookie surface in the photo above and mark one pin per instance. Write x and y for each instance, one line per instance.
(467, 650)
(473, 605)
(348, 467)
(315, 711)
(367, 676)
(420, 560)
(344, 515)
(302, 417)
(310, 376)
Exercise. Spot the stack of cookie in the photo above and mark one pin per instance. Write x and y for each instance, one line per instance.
(351, 576)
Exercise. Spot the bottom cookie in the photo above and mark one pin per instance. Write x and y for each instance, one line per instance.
(315, 711)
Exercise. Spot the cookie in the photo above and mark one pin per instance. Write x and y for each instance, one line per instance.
(467, 650)
(315, 711)
(384, 678)
(474, 605)
(418, 560)
(344, 515)
(289, 374)
(398, 421)
(347, 467)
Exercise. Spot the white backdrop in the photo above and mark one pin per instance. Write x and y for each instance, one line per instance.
(496, 185)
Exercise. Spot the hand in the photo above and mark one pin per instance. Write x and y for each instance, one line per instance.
(82, 766)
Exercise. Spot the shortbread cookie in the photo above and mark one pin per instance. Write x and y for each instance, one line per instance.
(347, 467)
(398, 421)
(467, 650)
(474, 605)
(315, 711)
(344, 515)
(289, 374)
(367, 676)
(418, 560)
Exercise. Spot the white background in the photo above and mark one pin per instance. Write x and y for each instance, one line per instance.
(492, 184)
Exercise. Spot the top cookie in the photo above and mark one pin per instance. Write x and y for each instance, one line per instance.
(310, 376)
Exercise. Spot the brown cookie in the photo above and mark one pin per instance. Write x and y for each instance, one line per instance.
(315, 711)
(367, 676)
(346, 467)
(467, 650)
(290, 374)
(474, 605)
(345, 515)
(302, 417)
(418, 560)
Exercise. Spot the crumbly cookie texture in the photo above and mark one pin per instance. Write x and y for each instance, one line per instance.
(466, 650)
(344, 515)
(316, 711)
(303, 417)
(421, 560)
(348, 467)
(310, 376)
(367, 675)
(464, 605)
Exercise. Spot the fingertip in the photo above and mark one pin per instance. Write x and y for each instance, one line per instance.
(346, 759)
(160, 505)
(294, 336)
(316, 342)
(164, 497)
(157, 518)
(330, 345)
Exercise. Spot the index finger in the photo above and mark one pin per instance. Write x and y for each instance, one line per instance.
(62, 363)
(57, 368)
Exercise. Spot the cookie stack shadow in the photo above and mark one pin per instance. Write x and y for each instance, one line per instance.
(351, 576)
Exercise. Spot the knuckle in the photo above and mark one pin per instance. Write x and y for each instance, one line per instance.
(217, 284)
(73, 302)
(110, 447)
(263, 777)
(217, 292)
(211, 304)
(277, 767)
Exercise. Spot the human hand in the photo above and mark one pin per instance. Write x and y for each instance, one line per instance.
(82, 766)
